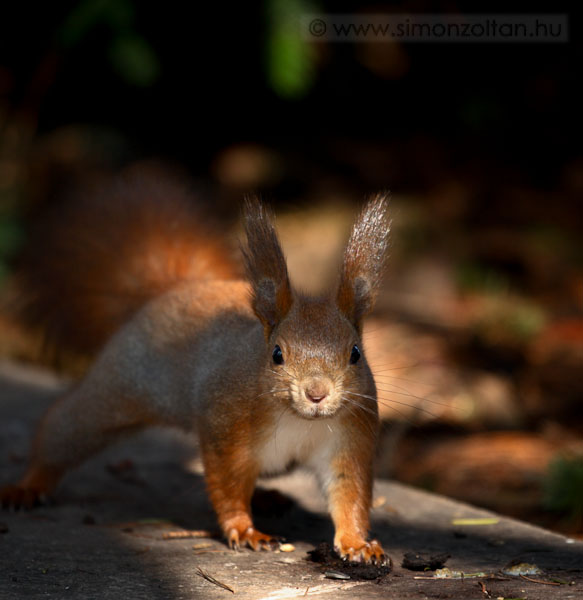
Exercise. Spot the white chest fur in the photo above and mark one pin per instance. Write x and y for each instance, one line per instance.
(300, 441)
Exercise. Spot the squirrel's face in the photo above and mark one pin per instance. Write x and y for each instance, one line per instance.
(315, 362)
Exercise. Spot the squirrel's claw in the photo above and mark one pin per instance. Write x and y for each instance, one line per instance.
(17, 496)
(375, 554)
(252, 538)
(368, 552)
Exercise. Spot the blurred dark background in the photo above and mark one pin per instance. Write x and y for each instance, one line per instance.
(479, 144)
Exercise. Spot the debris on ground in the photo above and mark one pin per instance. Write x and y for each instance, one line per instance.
(210, 578)
(422, 562)
(446, 573)
(331, 563)
(516, 568)
(287, 548)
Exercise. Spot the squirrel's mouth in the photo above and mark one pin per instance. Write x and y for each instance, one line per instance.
(315, 411)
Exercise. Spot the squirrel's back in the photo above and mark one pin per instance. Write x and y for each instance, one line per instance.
(92, 263)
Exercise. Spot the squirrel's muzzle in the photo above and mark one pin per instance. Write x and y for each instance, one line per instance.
(316, 390)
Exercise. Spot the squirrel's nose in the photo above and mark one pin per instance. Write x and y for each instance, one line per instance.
(316, 391)
(315, 399)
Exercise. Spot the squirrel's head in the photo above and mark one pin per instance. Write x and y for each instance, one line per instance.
(314, 356)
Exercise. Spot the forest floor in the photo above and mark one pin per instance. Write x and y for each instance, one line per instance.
(104, 535)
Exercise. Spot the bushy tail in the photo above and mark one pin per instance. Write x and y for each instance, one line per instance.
(98, 259)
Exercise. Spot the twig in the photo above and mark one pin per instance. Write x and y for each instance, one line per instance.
(492, 576)
(181, 535)
(210, 578)
(202, 545)
(539, 581)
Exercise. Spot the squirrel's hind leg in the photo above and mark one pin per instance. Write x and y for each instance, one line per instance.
(76, 426)
(32, 489)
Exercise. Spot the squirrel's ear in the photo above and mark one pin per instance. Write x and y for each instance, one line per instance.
(266, 267)
(364, 260)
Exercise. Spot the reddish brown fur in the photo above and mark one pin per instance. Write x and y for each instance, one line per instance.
(92, 265)
(231, 472)
(204, 332)
(352, 495)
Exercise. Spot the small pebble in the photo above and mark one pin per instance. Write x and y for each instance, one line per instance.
(287, 548)
(336, 575)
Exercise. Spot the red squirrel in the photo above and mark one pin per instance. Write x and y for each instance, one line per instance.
(267, 376)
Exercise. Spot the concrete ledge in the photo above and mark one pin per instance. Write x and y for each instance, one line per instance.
(103, 537)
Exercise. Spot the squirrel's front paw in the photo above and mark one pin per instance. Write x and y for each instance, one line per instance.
(358, 550)
(19, 496)
(252, 538)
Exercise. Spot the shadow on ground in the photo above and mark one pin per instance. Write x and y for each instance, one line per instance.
(103, 536)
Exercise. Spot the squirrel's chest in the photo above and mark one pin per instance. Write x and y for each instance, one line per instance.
(296, 441)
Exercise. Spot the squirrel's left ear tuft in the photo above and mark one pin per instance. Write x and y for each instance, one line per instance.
(364, 259)
(266, 267)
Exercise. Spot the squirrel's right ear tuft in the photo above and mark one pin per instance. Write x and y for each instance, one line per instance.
(364, 259)
(265, 265)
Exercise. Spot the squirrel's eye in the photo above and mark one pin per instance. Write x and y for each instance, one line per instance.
(354, 355)
(277, 356)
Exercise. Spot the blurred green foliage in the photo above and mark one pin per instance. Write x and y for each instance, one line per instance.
(87, 14)
(508, 320)
(134, 59)
(564, 487)
(130, 54)
(481, 113)
(475, 277)
(289, 57)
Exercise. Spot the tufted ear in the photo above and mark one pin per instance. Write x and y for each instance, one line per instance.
(363, 263)
(266, 267)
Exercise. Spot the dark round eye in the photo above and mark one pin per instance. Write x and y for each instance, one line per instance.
(277, 356)
(354, 355)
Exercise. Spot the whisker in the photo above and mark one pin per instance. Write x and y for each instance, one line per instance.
(422, 398)
(350, 407)
(275, 372)
(402, 379)
(374, 367)
(403, 392)
(388, 402)
(360, 405)
(292, 377)
(400, 413)
(275, 391)
(385, 401)
(272, 392)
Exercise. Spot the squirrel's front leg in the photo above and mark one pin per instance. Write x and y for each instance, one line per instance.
(349, 492)
(231, 472)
